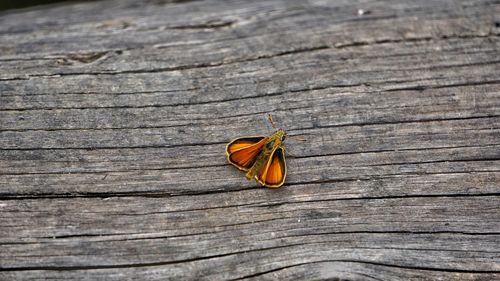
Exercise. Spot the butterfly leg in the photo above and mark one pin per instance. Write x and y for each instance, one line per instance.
(251, 173)
(287, 152)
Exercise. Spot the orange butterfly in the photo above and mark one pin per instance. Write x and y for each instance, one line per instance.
(263, 158)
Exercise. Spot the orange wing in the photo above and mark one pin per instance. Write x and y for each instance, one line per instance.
(242, 152)
(274, 173)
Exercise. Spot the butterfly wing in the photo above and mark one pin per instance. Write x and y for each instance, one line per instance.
(274, 173)
(243, 152)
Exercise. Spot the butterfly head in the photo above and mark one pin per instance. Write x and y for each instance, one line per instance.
(280, 134)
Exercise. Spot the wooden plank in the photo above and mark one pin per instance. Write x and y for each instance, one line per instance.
(113, 127)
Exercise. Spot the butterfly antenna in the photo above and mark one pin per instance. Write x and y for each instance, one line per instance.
(270, 118)
(298, 138)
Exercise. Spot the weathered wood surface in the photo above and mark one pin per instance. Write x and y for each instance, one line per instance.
(114, 116)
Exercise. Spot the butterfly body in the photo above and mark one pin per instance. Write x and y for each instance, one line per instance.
(263, 158)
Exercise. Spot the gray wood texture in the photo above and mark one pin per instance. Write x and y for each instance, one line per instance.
(114, 117)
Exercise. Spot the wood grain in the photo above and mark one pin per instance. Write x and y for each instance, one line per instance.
(114, 116)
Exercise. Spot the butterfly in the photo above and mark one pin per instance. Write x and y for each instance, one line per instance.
(263, 158)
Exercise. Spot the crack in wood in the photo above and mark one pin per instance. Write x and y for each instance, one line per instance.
(162, 263)
(176, 68)
(360, 124)
(448, 270)
(161, 194)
